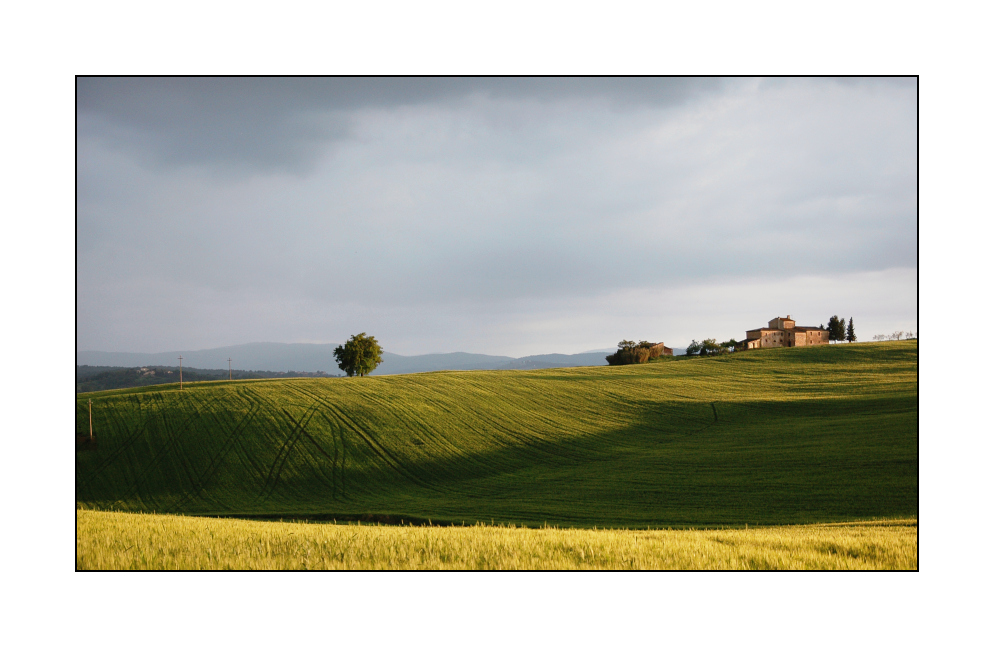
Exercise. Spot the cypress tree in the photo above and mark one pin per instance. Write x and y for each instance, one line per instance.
(850, 333)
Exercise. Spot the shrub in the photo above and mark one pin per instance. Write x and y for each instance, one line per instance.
(630, 352)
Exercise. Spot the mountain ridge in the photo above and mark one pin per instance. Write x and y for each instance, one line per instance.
(275, 356)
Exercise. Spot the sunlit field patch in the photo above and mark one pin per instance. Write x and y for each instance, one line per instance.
(128, 541)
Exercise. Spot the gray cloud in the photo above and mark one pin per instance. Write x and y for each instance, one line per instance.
(264, 124)
(308, 201)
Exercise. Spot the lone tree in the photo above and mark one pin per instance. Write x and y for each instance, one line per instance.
(359, 356)
(850, 332)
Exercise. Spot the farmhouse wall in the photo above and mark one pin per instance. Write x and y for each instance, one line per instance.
(783, 332)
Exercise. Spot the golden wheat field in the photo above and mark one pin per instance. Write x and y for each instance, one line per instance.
(136, 541)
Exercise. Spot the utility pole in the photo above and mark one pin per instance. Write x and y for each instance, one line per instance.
(229, 369)
(180, 372)
(91, 419)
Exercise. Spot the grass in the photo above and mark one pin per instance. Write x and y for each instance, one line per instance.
(772, 437)
(129, 541)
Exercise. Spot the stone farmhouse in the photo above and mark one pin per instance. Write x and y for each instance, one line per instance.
(782, 332)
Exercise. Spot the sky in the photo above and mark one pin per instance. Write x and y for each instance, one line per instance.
(509, 216)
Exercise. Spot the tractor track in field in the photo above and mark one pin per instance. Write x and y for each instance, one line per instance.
(414, 424)
(377, 448)
(248, 457)
(179, 450)
(537, 445)
(129, 441)
(157, 456)
(320, 449)
(388, 457)
(279, 461)
(276, 469)
(317, 465)
(268, 405)
(335, 428)
(171, 442)
(385, 455)
(340, 491)
(206, 411)
(217, 459)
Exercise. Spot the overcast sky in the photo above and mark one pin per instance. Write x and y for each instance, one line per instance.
(501, 216)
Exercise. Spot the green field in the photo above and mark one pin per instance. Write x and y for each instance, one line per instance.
(782, 436)
(126, 541)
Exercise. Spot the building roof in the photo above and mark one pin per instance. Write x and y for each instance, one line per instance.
(801, 328)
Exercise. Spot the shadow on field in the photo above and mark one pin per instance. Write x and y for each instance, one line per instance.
(677, 463)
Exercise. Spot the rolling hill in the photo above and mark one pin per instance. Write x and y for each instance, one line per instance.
(320, 357)
(794, 435)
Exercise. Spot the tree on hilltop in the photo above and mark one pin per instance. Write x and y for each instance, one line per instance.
(360, 355)
(850, 332)
(836, 329)
(710, 347)
(630, 352)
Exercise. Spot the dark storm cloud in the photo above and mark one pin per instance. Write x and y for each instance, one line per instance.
(283, 123)
(483, 210)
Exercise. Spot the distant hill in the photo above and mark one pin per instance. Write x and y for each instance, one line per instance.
(263, 356)
(397, 364)
(555, 360)
(267, 356)
(101, 378)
